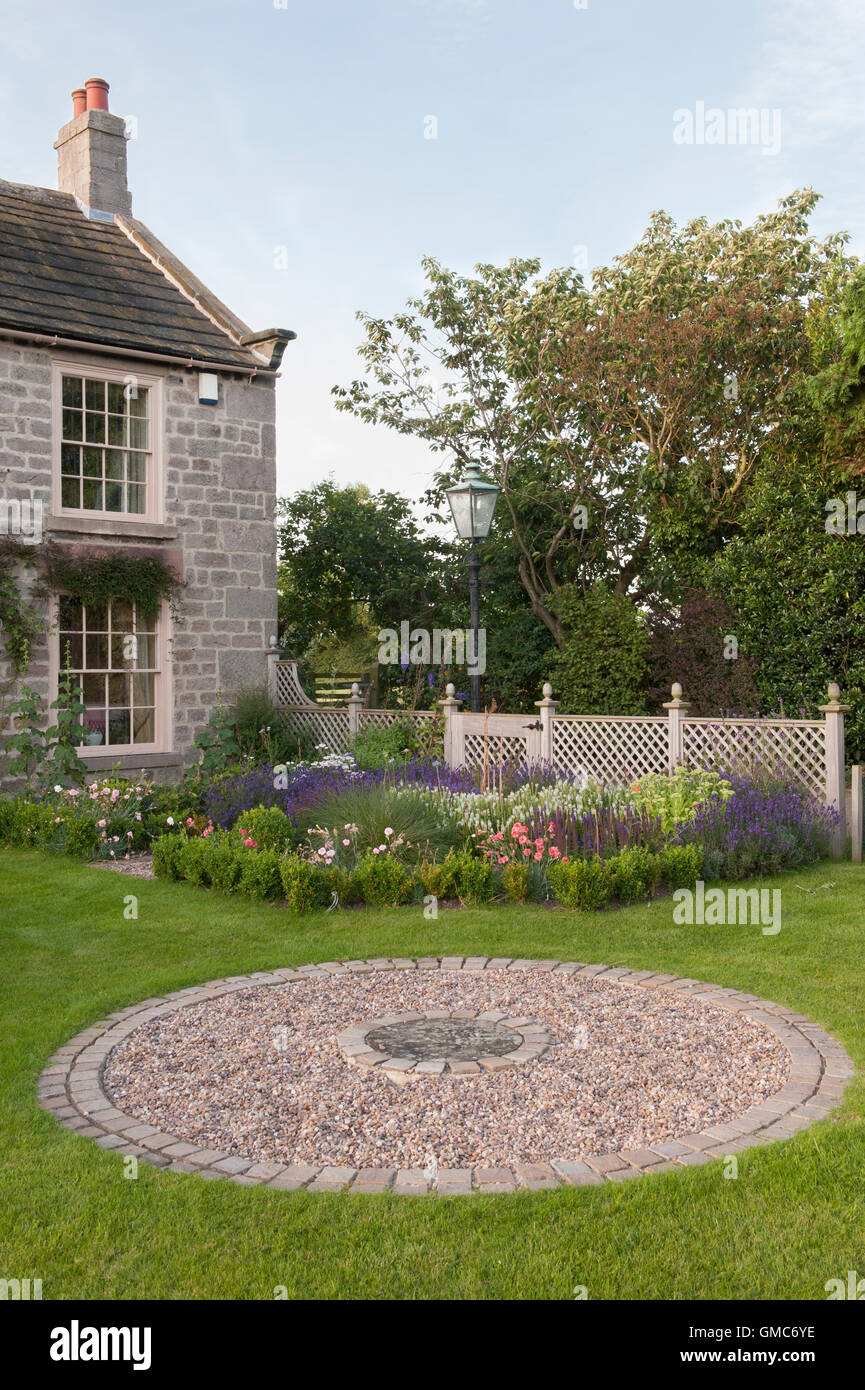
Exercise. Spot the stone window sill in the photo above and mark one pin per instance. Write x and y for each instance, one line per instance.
(128, 762)
(99, 525)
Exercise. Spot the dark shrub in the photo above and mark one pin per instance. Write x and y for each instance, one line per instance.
(166, 856)
(260, 875)
(474, 878)
(439, 877)
(681, 865)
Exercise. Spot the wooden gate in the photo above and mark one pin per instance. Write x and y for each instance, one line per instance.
(492, 739)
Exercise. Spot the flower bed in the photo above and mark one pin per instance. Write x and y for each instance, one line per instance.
(334, 869)
(329, 833)
(102, 820)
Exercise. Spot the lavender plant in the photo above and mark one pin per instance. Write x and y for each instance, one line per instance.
(766, 825)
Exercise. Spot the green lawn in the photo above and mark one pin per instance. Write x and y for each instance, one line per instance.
(794, 1217)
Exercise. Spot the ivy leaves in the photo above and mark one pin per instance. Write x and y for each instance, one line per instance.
(22, 622)
(97, 579)
(91, 579)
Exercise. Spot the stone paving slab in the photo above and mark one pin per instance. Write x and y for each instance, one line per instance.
(70, 1088)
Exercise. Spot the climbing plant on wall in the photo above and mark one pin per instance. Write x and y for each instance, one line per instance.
(21, 621)
(93, 579)
(97, 579)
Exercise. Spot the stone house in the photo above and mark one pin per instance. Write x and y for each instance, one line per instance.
(137, 414)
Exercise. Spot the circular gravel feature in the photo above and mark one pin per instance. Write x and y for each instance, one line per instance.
(259, 1074)
(242, 1100)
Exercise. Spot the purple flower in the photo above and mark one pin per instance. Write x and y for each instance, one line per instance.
(768, 824)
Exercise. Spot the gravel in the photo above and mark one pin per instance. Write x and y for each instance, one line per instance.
(137, 865)
(257, 1073)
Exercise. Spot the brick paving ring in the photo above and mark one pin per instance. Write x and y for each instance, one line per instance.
(448, 1075)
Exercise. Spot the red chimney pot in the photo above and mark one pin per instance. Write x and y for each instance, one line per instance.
(97, 94)
(79, 102)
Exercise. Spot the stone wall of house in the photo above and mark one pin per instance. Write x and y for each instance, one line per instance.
(220, 488)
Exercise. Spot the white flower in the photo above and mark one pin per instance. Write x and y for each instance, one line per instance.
(169, 820)
(388, 830)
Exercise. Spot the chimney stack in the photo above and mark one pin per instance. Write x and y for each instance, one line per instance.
(91, 153)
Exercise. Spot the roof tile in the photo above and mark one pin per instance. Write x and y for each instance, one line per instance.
(65, 274)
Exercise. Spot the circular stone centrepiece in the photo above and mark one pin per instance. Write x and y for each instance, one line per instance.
(407, 1046)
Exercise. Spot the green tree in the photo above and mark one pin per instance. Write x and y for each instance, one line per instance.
(624, 422)
(602, 666)
(350, 559)
(798, 586)
(799, 595)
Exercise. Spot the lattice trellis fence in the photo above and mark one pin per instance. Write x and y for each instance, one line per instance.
(502, 749)
(329, 727)
(381, 718)
(618, 749)
(797, 745)
(610, 750)
(332, 726)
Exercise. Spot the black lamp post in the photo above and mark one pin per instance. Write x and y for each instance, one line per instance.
(472, 502)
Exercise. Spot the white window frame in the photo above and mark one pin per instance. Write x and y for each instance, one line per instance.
(155, 491)
(164, 690)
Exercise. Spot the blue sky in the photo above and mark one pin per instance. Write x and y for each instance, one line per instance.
(303, 128)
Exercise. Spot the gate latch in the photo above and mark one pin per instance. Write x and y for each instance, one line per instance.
(537, 725)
